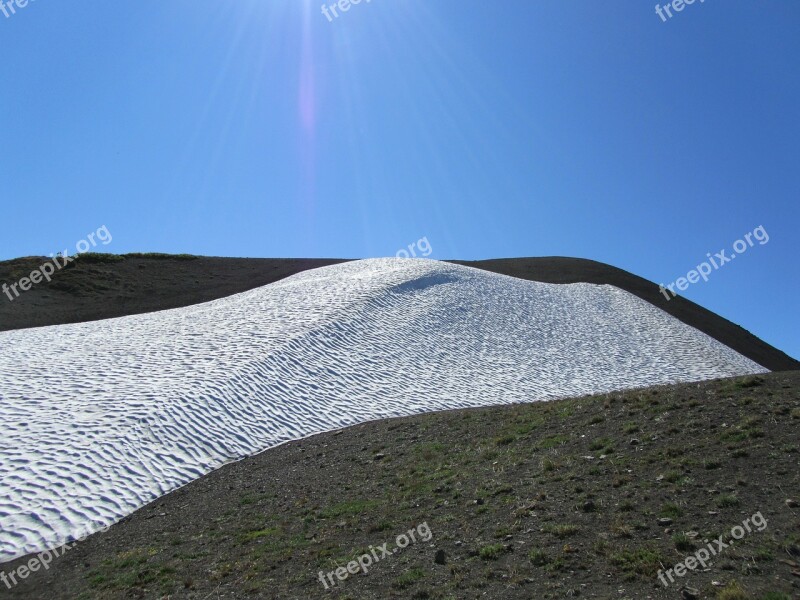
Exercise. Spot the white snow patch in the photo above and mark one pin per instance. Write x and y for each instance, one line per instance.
(100, 418)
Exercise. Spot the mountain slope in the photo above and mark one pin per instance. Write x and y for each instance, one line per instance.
(544, 500)
(105, 286)
(102, 417)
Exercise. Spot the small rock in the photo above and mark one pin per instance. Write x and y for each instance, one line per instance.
(459, 542)
(634, 442)
(440, 557)
(479, 501)
(589, 506)
(688, 593)
(792, 503)
(664, 522)
(379, 456)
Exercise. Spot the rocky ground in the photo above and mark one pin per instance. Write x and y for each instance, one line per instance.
(588, 497)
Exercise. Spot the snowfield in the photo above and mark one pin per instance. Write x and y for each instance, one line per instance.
(101, 418)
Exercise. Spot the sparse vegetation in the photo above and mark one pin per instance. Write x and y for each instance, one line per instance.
(539, 557)
(643, 561)
(732, 591)
(99, 257)
(491, 551)
(683, 542)
(671, 510)
(726, 500)
(562, 531)
(408, 579)
(160, 256)
(513, 501)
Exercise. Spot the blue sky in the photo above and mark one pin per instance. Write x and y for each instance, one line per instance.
(516, 128)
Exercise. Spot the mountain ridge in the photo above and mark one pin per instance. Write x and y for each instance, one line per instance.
(98, 287)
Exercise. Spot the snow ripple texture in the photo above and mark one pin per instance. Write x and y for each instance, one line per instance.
(100, 418)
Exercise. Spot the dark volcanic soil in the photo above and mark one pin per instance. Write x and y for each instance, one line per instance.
(92, 288)
(586, 498)
(104, 286)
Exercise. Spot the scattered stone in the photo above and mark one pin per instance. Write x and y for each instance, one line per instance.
(589, 506)
(379, 456)
(479, 501)
(792, 503)
(440, 557)
(664, 522)
(634, 442)
(688, 593)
